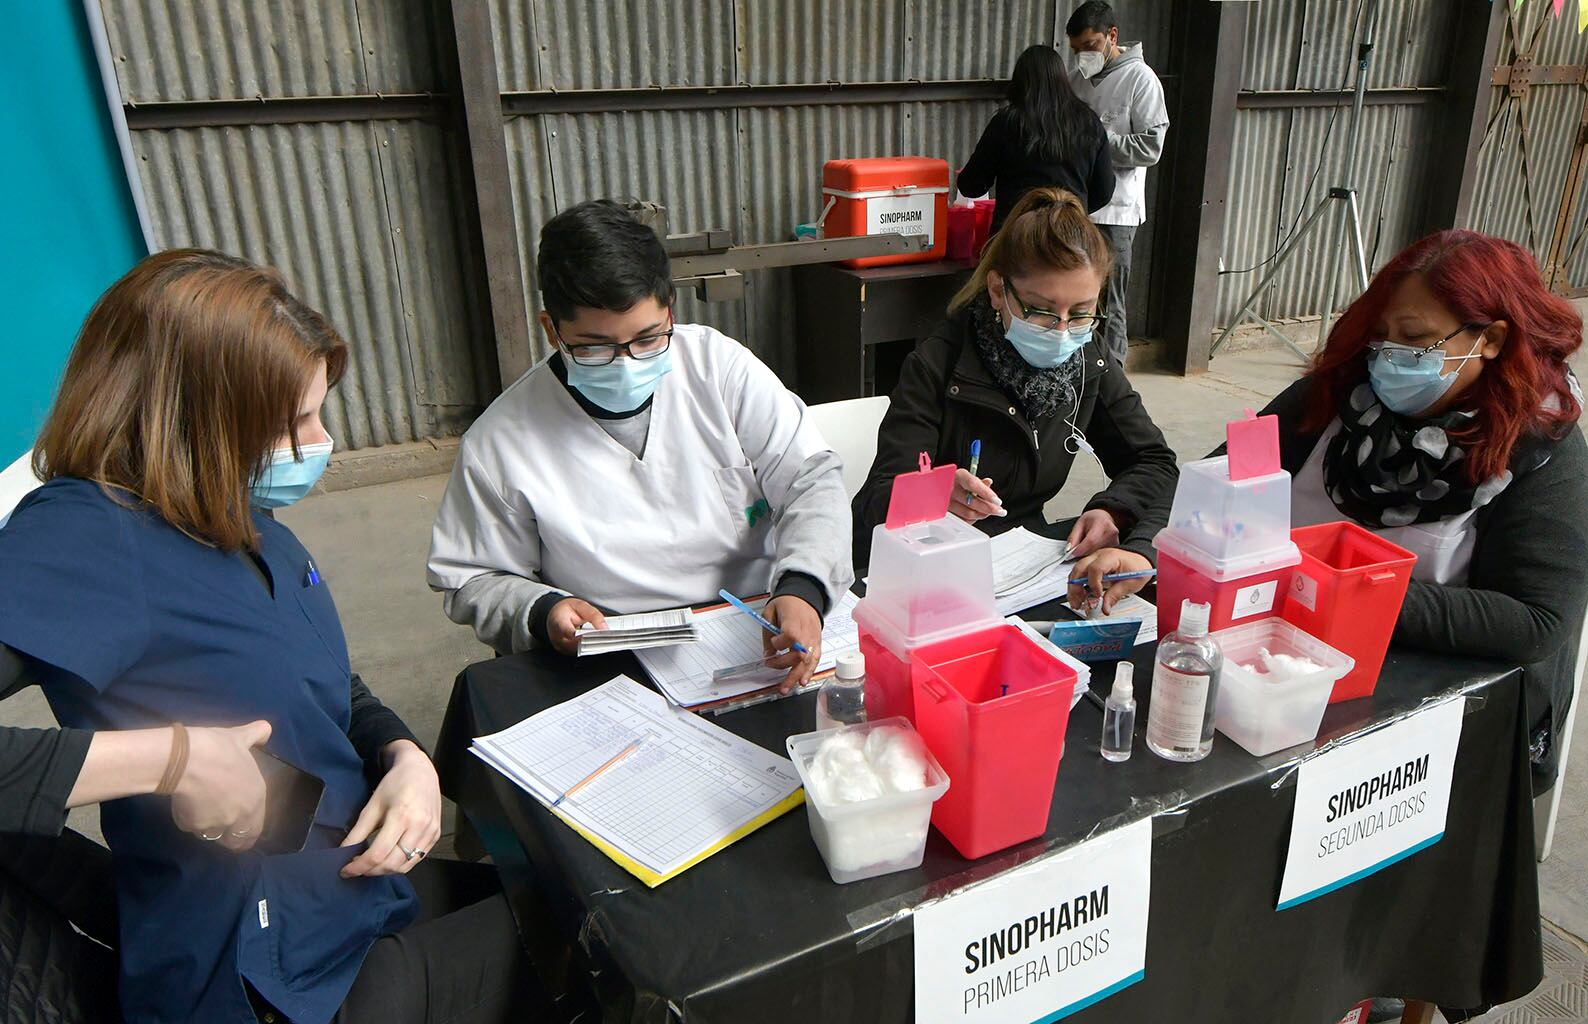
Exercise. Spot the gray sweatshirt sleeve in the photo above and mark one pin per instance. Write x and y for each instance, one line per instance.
(813, 536)
(504, 610)
(1149, 125)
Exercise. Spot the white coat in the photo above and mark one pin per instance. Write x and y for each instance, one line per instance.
(543, 492)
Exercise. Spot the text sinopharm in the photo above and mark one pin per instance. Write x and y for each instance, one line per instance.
(1029, 940)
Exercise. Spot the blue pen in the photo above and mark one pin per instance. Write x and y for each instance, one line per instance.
(975, 461)
(759, 618)
(1115, 577)
(311, 575)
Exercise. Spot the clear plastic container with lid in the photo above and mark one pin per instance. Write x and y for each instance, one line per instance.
(865, 834)
(1227, 529)
(929, 581)
(1275, 685)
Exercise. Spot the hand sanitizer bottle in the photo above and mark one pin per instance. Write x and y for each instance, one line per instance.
(842, 699)
(1185, 686)
(1119, 715)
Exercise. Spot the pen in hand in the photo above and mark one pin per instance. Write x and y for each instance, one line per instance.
(975, 463)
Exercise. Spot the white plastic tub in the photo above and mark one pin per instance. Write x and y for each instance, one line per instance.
(1261, 713)
(868, 837)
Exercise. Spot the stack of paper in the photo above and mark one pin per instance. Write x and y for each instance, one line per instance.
(637, 632)
(729, 638)
(1028, 570)
(689, 789)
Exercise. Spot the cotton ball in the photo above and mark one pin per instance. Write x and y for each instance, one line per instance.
(841, 772)
(1282, 667)
(898, 758)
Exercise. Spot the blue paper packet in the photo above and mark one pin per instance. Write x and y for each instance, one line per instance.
(1096, 640)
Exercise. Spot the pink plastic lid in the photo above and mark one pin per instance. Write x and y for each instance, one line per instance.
(921, 496)
(1253, 445)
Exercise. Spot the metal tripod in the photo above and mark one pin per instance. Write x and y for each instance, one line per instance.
(1349, 225)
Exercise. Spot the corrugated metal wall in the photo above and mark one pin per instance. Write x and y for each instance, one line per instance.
(1286, 159)
(362, 216)
(678, 159)
(1528, 149)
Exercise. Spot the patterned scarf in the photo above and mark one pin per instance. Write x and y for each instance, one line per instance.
(1384, 469)
(1039, 393)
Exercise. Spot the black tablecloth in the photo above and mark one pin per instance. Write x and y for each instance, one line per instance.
(760, 933)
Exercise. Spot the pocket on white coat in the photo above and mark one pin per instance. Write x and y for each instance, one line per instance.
(741, 495)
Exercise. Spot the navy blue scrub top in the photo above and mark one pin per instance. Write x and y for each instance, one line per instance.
(132, 624)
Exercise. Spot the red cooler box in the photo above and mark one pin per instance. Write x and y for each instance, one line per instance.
(1347, 592)
(992, 707)
(877, 195)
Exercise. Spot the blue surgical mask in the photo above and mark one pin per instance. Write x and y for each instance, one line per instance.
(622, 385)
(1042, 349)
(1406, 383)
(285, 479)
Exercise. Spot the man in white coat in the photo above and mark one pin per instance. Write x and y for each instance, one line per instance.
(1115, 81)
(644, 464)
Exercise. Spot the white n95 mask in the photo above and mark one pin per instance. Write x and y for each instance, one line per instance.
(1089, 63)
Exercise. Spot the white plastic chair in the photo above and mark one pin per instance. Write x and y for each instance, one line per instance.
(850, 427)
(16, 481)
(1547, 807)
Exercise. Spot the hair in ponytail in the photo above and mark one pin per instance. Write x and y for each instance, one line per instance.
(1047, 230)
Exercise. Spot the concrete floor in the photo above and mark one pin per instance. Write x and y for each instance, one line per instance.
(371, 544)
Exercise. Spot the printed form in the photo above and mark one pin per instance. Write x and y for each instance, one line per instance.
(728, 638)
(689, 789)
(1028, 570)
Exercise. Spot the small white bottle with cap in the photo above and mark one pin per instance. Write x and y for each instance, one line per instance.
(1185, 687)
(1119, 715)
(842, 699)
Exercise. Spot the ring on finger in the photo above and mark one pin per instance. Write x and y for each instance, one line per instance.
(407, 853)
(211, 838)
(242, 833)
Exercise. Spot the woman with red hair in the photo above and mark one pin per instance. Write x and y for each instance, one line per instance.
(1441, 414)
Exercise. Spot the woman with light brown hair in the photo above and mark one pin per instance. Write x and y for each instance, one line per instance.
(190, 648)
(1020, 366)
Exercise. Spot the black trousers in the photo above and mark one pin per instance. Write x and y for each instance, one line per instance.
(461, 962)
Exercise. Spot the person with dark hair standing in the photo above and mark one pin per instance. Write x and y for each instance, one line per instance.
(1114, 80)
(643, 464)
(1019, 366)
(1044, 136)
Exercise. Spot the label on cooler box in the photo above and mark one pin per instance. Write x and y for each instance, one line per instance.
(904, 215)
(1040, 942)
(1179, 708)
(1257, 599)
(1368, 803)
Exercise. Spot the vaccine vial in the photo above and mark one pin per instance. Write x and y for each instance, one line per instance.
(842, 698)
(1119, 715)
(1185, 686)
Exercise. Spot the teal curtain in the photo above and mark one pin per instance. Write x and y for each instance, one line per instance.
(69, 224)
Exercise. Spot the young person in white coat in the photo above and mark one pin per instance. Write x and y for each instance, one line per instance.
(643, 465)
(1115, 81)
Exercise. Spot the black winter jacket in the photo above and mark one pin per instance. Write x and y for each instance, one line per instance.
(946, 399)
(1001, 159)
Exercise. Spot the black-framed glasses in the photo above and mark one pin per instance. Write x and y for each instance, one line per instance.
(648, 346)
(1047, 320)
(1404, 355)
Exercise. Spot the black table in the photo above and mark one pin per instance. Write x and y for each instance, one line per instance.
(759, 932)
(845, 321)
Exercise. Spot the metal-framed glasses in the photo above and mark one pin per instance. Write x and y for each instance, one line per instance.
(1404, 355)
(648, 346)
(1047, 320)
